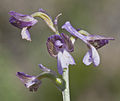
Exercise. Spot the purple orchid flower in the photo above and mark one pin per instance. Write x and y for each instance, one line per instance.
(30, 82)
(59, 47)
(24, 22)
(93, 42)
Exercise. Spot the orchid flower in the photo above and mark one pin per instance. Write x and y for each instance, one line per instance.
(93, 42)
(59, 47)
(31, 82)
(24, 22)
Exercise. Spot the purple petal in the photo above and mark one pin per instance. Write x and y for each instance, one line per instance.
(43, 68)
(59, 65)
(64, 59)
(87, 60)
(67, 26)
(34, 85)
(24, 77)
(30, 82)
(95, 56)
(68, 58)
(98, 41)
(68, 42)
(20, 20)
(54, 43)
(25, 34)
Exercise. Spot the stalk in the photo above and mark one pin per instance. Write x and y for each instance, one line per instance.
(66, 92)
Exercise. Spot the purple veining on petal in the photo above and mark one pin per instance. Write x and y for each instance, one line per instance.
(98, 41)
(60, 46)
(57, 43)
(20, 20)
(24, 77)
(35, 84)
(54, 44)
(67, 26)
(93, 42)
(68, 42)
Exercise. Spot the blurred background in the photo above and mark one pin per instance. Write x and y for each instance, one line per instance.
(87, 83)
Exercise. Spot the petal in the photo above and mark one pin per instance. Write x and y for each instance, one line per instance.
(33, 85)
(24, 77)
(87, 60)
(43, 15)
(67, 26)
(30, 82)
(68, 42)
(51, 44)
(95, 56)
(25, 34)
(98, 41)
(59, 64)
(43, 68)
(64, 59)
(20, 20)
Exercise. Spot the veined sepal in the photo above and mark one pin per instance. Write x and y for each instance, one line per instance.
(48, 20)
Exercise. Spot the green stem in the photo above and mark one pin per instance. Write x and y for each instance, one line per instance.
(66, 92)
(60, 83)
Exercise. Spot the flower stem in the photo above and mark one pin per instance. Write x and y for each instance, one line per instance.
(66, 92)
(60, 83)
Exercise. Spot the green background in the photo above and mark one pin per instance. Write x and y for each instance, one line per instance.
(87, 83)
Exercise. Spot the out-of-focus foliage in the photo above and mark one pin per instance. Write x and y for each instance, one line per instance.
(86, 83)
